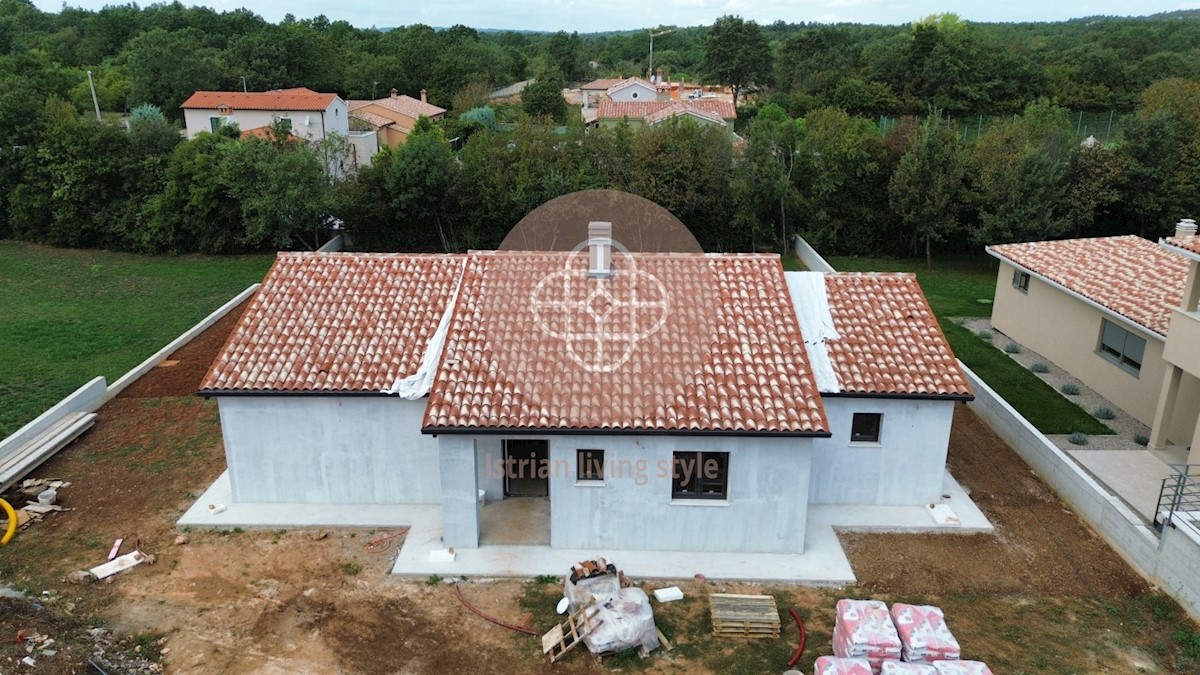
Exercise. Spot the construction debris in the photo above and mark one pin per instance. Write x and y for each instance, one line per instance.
(120, 564)
(622, 619)
(39, 502)
(567, 635)
(748, 616)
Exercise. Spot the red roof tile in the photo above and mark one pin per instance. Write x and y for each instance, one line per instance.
(1128, 275)
(718, 347)
(889, 340)
(601, 84)
(405, 105)
(628, 82)
(336, 322)
(1189, 244)
(265, 134)
(298, 98)
(642, 109)
(681, 108)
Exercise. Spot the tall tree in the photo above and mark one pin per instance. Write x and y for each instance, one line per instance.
(927, 186)
(736, 53)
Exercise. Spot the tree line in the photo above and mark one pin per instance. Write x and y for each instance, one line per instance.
(836, 178)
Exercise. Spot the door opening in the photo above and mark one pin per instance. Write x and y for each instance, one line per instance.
(526, 468)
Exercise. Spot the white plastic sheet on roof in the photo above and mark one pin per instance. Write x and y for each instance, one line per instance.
(811, 302)
(419, 383)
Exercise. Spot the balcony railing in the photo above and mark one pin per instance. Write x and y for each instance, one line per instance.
(1179, 497)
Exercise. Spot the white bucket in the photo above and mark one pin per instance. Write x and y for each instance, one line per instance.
(48, 497)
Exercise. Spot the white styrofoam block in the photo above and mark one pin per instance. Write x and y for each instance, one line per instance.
(942, 514)
(669, 594)
(441, 555)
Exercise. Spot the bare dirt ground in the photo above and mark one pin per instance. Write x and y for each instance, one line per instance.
(1043, 595)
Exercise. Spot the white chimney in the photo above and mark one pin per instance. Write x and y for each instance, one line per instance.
(1185, 228)
(423, 97)
(599, 248)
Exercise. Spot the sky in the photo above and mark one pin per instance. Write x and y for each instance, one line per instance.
(588, 16)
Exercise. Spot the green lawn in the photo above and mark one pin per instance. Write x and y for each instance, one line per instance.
(955, 288)
(67, 315)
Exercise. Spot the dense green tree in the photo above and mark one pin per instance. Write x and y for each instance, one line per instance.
(544, 99)
(927, 187)
(736, 54)
(165, 68)
(565, 55)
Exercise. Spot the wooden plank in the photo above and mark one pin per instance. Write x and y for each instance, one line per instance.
(745, 616)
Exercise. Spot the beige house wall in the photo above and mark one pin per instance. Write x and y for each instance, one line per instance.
(1066, 330)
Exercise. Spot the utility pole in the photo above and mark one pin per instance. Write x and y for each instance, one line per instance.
(95, 101)
(650, 65)
(243, 84)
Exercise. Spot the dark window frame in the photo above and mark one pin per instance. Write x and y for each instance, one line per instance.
(1119, 349)
(584, 472)
(699, 486)
(1020, 281)
(868, 435)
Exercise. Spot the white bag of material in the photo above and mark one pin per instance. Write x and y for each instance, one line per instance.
(836, 665)
(923, 634)
(891, 667)
(864, 629)
(961, 668)
(624, 622)
(602, 585)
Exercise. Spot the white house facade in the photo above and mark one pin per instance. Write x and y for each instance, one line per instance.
(653, 401)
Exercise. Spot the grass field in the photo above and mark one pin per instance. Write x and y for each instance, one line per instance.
(67, 316)
(963, 287)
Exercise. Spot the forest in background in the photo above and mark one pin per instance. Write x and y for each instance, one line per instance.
(815, 157)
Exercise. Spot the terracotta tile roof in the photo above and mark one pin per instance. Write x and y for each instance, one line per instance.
(718, 348)
(680, 108)
(601, 84)
(889, 340)
(371, 118)
(641, 109)
(299, 98)
(325, 322)
(628, 82)
(1128, 275)
(1189, 244)
(405, 105)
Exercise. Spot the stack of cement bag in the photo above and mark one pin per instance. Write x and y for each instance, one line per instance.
(833, 665)
(902, 668)
(961, 668)
(923, 634)
(863, 629)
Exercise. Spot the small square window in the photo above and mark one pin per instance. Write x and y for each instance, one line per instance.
(215, 123)
(1021, 281)
(866, 427)
(700, 475)
(285, 123)
(589, 464)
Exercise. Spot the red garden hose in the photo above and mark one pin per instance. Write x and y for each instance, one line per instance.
(803, 638)
(480, 614)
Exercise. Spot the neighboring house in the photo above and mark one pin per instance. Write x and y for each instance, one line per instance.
(648, 113)
(363, 378)
(633, 89)
(393, 117)
(308, 115)
(1102, 309)
(1179, 400)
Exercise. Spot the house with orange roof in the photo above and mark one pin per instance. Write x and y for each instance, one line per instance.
(642, 401)
(393, 117)
(306, 114)
(1119, 314)
(648, 113)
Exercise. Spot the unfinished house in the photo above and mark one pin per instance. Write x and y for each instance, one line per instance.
(685, 396)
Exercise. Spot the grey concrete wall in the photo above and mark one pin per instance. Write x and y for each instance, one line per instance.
(86, 399)
(766, 510)
(490, 448)
(809, 256)
(1172, 565)
(187, 336)
(457, 456)
(329, 450)
(905, 467)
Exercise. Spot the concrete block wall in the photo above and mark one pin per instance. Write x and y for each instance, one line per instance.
(85, 399)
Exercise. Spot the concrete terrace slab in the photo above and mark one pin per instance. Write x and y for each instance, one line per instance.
(823, 562)
(1134, 475)
(258, 515)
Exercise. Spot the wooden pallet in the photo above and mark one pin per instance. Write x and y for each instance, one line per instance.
(748, 616)
(568, 634)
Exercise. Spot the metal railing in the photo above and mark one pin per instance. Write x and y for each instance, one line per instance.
(1179, 496)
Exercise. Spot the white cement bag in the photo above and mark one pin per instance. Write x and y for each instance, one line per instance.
(836, 665)
(624, 622)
